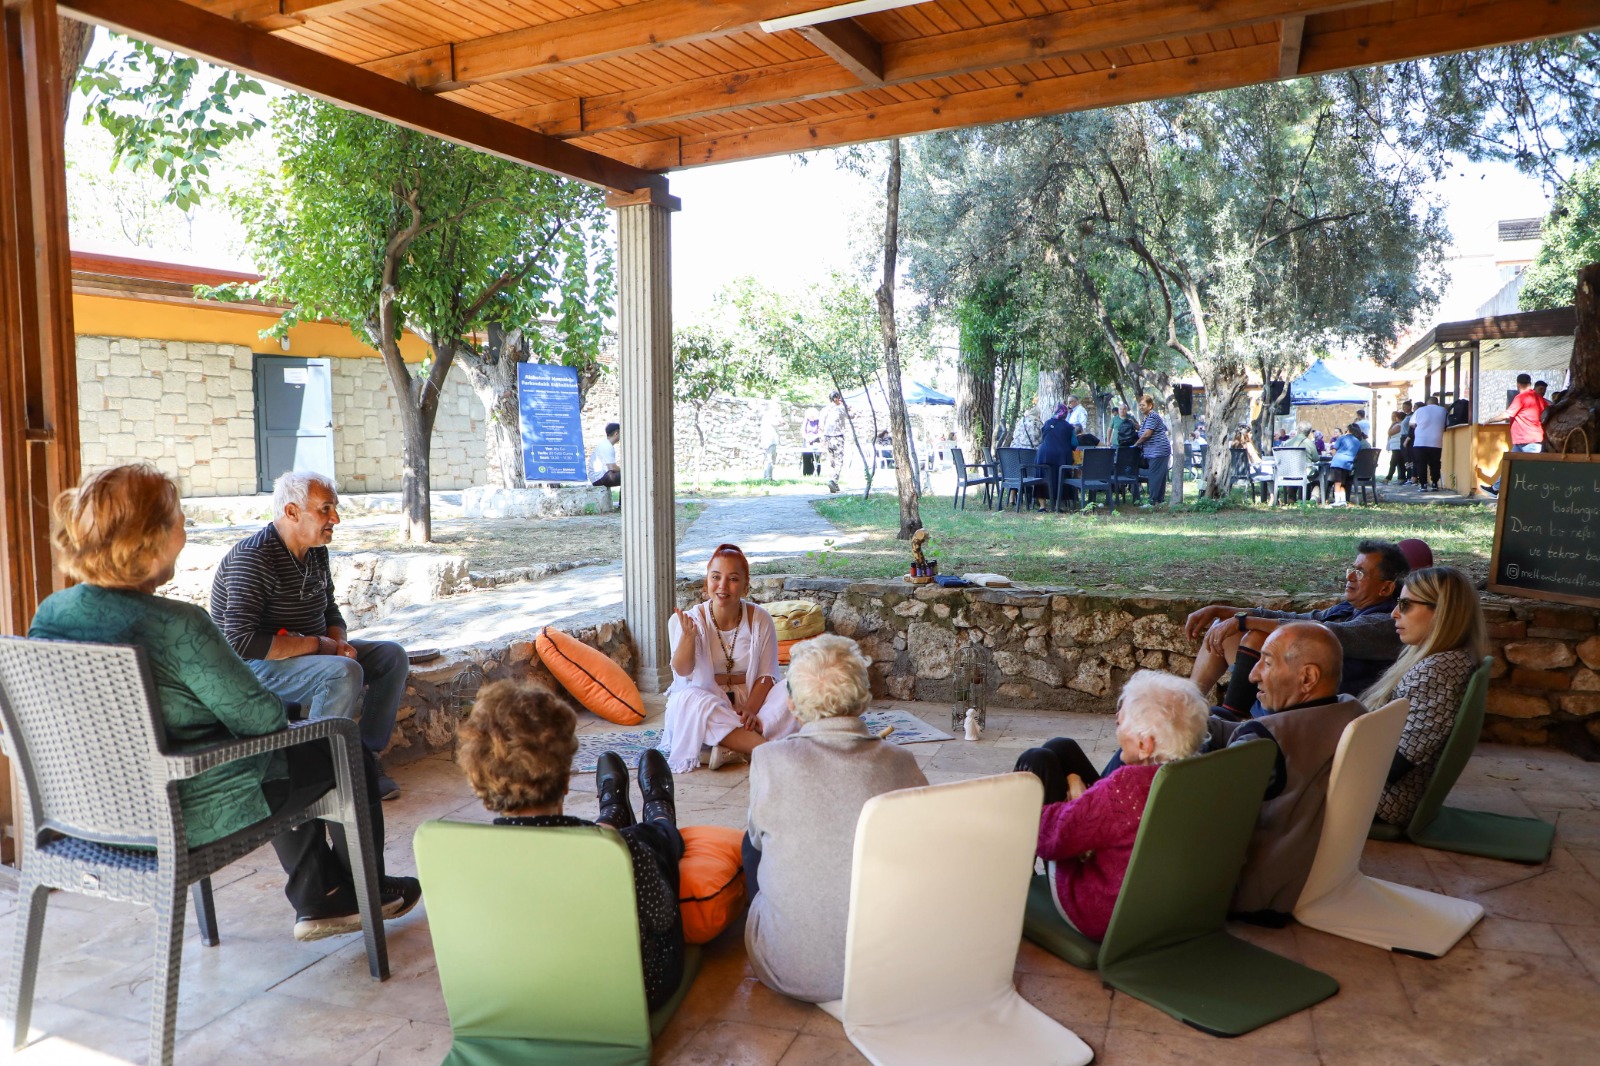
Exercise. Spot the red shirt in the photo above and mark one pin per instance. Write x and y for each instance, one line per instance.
(1524, 413)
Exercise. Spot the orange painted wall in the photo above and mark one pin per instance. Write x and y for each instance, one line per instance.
(108, 316)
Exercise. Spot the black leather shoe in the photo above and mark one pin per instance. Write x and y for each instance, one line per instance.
(655, 788)
(611, 785)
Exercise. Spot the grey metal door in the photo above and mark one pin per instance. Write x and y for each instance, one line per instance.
(294, 417)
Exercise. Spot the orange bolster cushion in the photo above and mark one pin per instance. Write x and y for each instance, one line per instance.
(710, 880)
(783, 650)
(590, 676)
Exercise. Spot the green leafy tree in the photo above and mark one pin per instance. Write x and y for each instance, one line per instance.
(167, 113)
(388, 230)
(829, 333)
(1571, 239)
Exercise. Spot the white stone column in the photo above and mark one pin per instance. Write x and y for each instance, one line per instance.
(644, 370)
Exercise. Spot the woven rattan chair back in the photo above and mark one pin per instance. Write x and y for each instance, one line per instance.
(81, 721)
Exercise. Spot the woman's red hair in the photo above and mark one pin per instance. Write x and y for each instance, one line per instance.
(730, 551)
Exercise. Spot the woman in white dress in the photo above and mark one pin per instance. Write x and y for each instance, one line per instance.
(725, 692)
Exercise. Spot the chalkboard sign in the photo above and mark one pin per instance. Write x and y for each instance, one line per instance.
(1547, 533)
(552, 435)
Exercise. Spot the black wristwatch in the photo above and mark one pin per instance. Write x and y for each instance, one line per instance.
(1243, 619)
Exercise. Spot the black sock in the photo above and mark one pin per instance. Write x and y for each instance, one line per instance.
(1241, 693)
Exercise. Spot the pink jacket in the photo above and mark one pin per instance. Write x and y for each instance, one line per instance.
(1103, 822)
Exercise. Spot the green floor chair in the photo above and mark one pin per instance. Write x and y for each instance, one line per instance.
(537, 940)
(1493, 836)
(1167, 943)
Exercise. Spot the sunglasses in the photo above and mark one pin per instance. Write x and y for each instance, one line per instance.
(1405, 603)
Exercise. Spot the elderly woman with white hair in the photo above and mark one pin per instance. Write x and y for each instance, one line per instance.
(806, 794)
(1089, 823)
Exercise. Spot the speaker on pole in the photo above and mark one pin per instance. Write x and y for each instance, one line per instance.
(1183, 396)
(1278, 398)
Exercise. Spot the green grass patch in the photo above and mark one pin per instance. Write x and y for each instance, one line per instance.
(1198, 547)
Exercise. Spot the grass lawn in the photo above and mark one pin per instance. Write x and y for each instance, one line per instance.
(1293, 549)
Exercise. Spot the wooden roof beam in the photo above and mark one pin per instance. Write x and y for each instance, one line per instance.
(1482, 25)
(180, 26)
(1290, 33)
(1098, 28)
(279, 14)
(658, 24)
(850, 46)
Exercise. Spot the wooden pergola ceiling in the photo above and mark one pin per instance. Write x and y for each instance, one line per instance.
(664, 84)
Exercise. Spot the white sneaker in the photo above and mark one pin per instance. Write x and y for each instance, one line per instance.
(721, 756)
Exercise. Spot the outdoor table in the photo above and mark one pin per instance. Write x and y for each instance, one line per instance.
(1323, 465)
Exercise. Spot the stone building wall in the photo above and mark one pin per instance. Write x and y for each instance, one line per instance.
(1545, 683)
(189, 408)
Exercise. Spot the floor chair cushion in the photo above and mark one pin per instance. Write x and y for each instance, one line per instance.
(590, 677)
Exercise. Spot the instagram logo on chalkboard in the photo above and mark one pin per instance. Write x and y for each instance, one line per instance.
(1512, 570)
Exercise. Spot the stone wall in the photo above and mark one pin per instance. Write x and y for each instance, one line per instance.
(1545, 688)
(189, 408)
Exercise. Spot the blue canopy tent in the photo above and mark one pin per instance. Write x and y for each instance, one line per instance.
(915, 392)
(1319, 386)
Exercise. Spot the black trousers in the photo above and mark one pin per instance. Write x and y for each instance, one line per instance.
(610, 479)
(1051, 763)
(1425, 468)
(1397, 464)
(316, 856)
(664, 842)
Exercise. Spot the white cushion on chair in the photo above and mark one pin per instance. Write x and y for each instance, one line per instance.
(1338, 898)
(937, 892)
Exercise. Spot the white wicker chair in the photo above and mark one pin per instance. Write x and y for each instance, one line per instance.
(101, 816)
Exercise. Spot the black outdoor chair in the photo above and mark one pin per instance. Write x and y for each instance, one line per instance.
(1239, 468)
(1291, 470)
(1019, 475)
(1097, 474)
(964, 481)
(99, 789)
(1125, 472)
(1364, 474)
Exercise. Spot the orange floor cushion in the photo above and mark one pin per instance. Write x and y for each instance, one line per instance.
(710, 880)
(590, 676)
(783, 650)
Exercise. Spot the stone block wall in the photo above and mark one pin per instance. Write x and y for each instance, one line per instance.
(189, 408)
(1545, 683)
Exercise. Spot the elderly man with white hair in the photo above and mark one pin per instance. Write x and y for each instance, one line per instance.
(1089, 823)
(272, 597)
(806, 795)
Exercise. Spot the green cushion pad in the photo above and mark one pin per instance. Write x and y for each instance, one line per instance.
(1493, 836)
(1042, 924)
(1220, 984)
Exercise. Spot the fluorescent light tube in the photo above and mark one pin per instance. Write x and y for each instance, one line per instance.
(833, 14)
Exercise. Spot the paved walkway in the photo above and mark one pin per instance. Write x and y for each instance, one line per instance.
(767, 527)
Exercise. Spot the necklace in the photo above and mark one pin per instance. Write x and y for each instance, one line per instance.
(727, 648)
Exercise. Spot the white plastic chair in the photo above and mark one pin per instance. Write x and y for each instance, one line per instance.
(928, 975)
(1338, 898)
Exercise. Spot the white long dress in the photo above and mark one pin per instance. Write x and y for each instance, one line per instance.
(698, 712)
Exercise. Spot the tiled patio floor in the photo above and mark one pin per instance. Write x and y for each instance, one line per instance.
(1523, 988)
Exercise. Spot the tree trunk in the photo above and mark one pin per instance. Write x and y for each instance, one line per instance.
(493, 378)
(905, 470)
(76, 39)
(975, 402)
(1052, 391)
(1572, 424)
(1225, 400)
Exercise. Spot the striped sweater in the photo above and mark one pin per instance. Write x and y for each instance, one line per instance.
(261, 588)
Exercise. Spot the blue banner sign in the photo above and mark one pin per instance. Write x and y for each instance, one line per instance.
(552, 436)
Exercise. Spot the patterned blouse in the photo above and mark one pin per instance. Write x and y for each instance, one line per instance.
(1435, 687)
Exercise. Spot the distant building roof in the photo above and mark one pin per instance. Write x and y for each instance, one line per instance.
(1520, 229)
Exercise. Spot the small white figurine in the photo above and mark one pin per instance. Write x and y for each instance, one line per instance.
(972, 723)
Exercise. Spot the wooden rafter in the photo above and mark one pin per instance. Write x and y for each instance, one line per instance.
(1290, 33)
(186, 28)
(279, 14)
(1105, 27)
(850, 46)
(1322, 51)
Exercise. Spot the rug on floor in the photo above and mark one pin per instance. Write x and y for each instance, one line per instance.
(908, 729)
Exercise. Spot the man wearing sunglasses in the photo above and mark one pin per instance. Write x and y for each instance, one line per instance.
(1361, 622)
